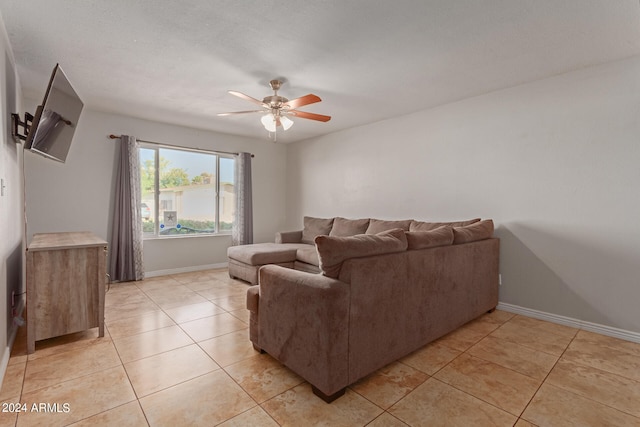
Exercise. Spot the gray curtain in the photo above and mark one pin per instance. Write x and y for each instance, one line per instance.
(125, 261)
(242, 232)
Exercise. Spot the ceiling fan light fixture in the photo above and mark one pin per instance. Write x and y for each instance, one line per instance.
(286, 122)
(269, 122)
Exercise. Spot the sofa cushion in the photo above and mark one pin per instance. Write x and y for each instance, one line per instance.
(378, 226)
(427, 226)
(441, 236)
(264, 253)
(315, 227)
(333, 251)
(343, 227)
(308, 255)
(477, 231)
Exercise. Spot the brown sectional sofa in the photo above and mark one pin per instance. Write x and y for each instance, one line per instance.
(377, 296)
(296, 249)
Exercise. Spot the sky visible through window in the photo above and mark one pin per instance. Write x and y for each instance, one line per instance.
(193, 165)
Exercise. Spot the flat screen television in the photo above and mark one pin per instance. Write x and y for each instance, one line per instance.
(56, 120)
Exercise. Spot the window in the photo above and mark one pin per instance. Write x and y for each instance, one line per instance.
(185, 192)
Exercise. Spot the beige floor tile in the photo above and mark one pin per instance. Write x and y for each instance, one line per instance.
(389, 384)
(156, 283)
(167, 369)
(499, 386)
(130, 309)
(212, 326)
(606, 353)
(610, 389)
(85, 396)
(204, 401)
(431, 358)
(463, 338)
(483, 325)
(242, 314)
(187, 313)
(498, 316)
(524, 423)
(552, 406)
(229, 348)
(534, 338)
(150, 343)
(121, 294)
(167, 299)
(386, 420)
(300, 407)
(206, 284)
(127, 415)
(437, 404)
(194, 276)
(543, 326)
(64, 366)
(533, 363)
(19, 349)
(223, 290)
(12, 381)
(610, 342)
(9, 414)
(232, 303)
(263, 377)
(138, 324)
(254, 417)
(64, 343)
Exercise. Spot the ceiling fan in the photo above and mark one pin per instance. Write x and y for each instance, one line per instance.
(276, 109)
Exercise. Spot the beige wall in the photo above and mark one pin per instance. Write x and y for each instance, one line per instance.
(11, 223)
(555, 163)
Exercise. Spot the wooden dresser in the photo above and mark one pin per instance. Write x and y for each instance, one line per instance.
(66, 277)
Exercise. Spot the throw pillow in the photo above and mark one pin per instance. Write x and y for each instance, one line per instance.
(333, 251)
(477, 231)
(315, 227)
(441, 236)
(378, 226)
(427, 226)
(343, 227)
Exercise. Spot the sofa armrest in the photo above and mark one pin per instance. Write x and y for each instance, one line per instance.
(303, 322)
(289, 236)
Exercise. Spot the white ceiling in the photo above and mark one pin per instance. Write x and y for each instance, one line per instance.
(173, 61)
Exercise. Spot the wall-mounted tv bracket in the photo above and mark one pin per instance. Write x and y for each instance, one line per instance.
(16, 123)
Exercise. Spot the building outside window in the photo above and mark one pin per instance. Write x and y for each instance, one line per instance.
(186, 192)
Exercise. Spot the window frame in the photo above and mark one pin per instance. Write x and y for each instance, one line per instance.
(156, 208)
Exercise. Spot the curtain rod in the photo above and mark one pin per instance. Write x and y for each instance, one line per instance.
(112, 136)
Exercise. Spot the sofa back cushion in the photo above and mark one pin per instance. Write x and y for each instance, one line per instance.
(477, 231)
(378, 226)
(441, 236)
(315, 227)
(343, 227)
(427, 226)
(333, 251)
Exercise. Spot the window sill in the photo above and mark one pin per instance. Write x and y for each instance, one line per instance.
(186, 236)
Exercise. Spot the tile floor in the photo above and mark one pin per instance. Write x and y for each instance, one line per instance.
(177, 354)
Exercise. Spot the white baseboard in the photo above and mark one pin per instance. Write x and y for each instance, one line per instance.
(574, 323)
(157, 273)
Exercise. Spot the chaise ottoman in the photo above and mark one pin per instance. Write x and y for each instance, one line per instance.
(246, 260)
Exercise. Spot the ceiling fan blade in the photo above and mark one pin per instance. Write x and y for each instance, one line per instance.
(247, 98)
(311, 116)
(241, 112)
(303, 100)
